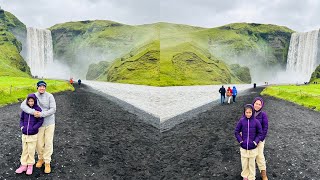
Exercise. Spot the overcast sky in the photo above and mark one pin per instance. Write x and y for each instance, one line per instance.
(299, 15)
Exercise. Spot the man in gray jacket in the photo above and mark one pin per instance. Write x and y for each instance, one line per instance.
(47, 103)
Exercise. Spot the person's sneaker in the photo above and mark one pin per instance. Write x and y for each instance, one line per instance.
(21, 169)
(47, 168)
(29, 169)
(39, 163)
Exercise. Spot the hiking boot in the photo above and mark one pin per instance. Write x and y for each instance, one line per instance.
(47, 168)
(29, 169)
(21, 169)
(264, 175)
(39, 163)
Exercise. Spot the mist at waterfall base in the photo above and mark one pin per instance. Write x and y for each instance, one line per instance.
(58, 70)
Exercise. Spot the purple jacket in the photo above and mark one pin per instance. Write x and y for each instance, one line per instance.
(251, 131)
(29, 123)
(262, 117)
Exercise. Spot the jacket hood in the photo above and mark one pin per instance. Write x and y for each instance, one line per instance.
(262, 102)
(33, 96)
(244, 113)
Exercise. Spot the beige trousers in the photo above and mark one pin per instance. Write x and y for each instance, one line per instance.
(261, 161)
(248, 162)
(29, 143)
(45, 142)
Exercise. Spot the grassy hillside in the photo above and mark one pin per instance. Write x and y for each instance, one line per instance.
(80, 44)
(315, 77)
(305, 95)
(140, 66)
(15, 89)
(188, 55)
(11, 62)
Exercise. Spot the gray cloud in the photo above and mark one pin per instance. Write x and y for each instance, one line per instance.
(44, 13)
(299, 15)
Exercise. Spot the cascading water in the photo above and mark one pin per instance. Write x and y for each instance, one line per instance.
(39, 51)
(303, 56)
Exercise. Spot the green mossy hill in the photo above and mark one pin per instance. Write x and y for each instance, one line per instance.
(187, 64)
(250, 43)
(11, 62)
(188, 55)
(315, 77)
(95, 70)
(243, 73)
(82, 43)
(140, 66)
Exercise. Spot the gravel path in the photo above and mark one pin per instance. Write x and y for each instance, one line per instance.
(94, 139)
(98, 139)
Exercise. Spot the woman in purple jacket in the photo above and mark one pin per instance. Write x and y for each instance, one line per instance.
(262, 117)
(29, 126)
(248, 133)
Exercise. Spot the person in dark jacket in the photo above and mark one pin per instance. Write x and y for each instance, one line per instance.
(222, 91)
(262, 117)
(248, 133)
(29, 126)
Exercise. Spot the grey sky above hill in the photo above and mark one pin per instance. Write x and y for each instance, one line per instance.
(299, 15)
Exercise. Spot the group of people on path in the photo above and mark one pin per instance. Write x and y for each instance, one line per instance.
(250, 132)
(229, 92)
(72, 81)
(37, 124)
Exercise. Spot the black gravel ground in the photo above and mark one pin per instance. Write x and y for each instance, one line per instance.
(94, 139)
(97, 139)
(204, 147)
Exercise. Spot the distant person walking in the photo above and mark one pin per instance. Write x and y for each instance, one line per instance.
(248, 133)
(234, 93)
(229, 94)
(79, 82)
(29, 125)
(71, 81)
(222, 91)
(262, 117)
(47, 103)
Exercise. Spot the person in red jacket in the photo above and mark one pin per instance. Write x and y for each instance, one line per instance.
(229, 94)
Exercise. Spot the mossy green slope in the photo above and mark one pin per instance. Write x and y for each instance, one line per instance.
(140, 66)
(11, 62)
(315, 77)
(82, 43)
(188, 55)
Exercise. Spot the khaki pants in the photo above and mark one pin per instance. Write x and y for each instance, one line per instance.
(29, 143)
(261, 161)
(248, 162)
(45, 143)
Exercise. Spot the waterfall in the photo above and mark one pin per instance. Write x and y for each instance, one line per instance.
(39, 51)
(303, 56)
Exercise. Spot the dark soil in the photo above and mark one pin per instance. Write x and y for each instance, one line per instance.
(97, 139)
(205, 146)
(94, 139)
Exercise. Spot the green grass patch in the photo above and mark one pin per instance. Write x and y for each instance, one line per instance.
(305, 95)
(15, 89)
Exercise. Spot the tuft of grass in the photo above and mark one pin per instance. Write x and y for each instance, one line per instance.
(15, 89)
(304, 95)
